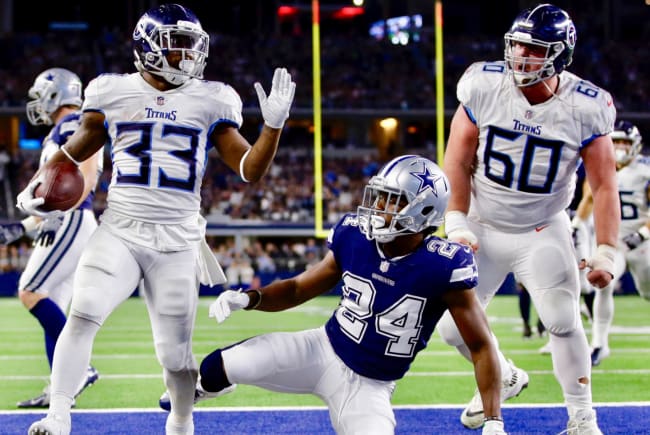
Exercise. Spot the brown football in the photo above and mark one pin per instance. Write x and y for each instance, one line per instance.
(62, 186)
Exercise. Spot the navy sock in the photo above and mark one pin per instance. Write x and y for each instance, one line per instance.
(213, 376)
(52, 319)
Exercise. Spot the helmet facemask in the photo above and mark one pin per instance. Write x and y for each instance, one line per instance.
(52, 89)
(549, 33)
(380, 215)
(185, 41)
(627, 142)
(408, 196)
(540, 69)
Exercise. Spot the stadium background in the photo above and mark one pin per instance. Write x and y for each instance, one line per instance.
(265, 235)
(378, 100)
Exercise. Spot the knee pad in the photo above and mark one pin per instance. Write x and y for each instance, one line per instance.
(558, 309)
(213, 375)
(176, 357)
(449, 331)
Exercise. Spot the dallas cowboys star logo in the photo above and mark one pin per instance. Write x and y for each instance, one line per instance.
(427, 180)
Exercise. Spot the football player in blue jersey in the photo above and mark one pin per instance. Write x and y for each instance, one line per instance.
(397, 280)
(161, 121)
(45, 286)
(522, 127)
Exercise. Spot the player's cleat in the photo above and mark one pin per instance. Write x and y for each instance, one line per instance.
(42, 401)
(199, 395)
(173, 427)
(546, 349)
(583, 423)
(472, 416)
(91, 377)
(598, 355)
(51, 425)
(527, 332)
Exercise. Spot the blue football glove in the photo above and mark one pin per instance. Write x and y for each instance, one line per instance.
(47, 231)
(11, 232)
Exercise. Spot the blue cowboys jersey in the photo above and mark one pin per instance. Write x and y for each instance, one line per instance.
(528, 154)
(390, 306)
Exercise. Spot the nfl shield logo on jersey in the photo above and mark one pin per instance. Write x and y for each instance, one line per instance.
(160, 101)
(384, 266)
(528, 114)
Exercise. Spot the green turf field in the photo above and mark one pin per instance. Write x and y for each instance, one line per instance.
(131, 376)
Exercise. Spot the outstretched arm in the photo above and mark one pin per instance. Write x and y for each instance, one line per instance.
(459, 166)
(280, 295)
(253, 162)
(472, 323)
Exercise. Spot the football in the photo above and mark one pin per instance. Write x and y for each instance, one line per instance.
(62, 186)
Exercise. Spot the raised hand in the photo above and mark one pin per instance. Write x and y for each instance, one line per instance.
(275, 107)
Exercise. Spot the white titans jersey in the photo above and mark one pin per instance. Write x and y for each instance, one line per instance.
(159, 142)
(527, 154)
(633, 182)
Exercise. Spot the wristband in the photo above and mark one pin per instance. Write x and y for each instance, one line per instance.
(241, 165)
(645, 232)
(29, 224)
(259, 299)
(455, 220)
(67, 154)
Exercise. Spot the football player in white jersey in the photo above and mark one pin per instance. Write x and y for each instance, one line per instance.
(45, 286)
(633, 176)
(160, 122)
(398, 279)
(515, 142)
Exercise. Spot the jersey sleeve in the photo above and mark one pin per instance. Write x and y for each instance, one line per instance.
(337, 238)
(228, 103)
(475, 85)
(463, 269)
(597, 109)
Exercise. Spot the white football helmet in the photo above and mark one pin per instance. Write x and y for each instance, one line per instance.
(170, 28)
(53, 88)
(410, 190)
(626, 132)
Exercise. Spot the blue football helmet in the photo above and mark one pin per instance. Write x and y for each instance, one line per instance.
(411, 190)
(627, 141)
(165, 30)
(545, 26)
(53, 88)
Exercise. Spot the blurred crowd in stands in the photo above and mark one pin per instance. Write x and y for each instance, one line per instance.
(364, 74)
(361, 74)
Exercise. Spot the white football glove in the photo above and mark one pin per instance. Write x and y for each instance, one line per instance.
(26, 202)
(457, 230)
(227, 302)
(603, 260)
(275, 107)
(493, 427)
(47, 230)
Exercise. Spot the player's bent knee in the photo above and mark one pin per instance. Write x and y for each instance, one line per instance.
(175, 357)
(213, 374)
(449, 331)
(558, 311)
